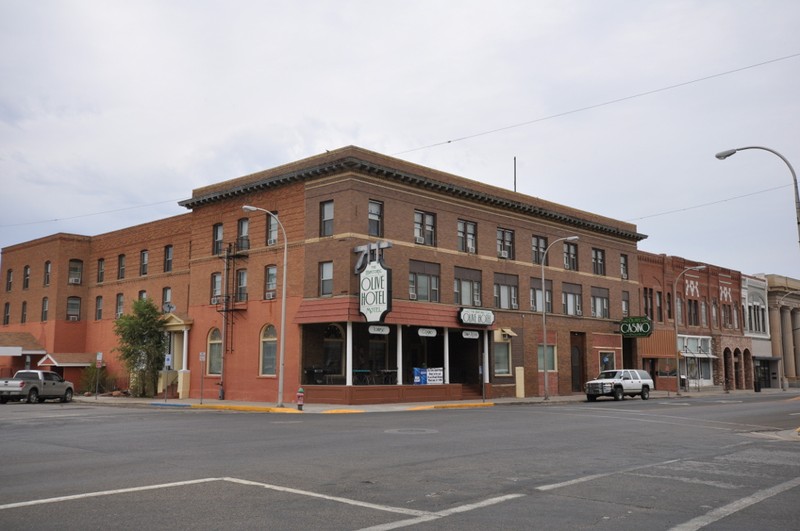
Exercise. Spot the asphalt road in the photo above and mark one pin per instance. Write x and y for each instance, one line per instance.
(711, 463)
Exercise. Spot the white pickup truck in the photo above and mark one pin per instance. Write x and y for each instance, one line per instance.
(35, 386)
(620, 383)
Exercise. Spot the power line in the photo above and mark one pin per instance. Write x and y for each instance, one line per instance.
(88, 215)
(598, 105)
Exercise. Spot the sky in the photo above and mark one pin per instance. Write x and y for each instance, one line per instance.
(112, 111)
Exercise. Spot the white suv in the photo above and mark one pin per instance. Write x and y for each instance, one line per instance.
(620, 383)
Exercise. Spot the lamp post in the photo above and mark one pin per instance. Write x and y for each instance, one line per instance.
(722, 155)
(544, 311)
(282, 347)
(675, 319)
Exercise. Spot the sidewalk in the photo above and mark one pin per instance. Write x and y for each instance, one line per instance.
(290, 408)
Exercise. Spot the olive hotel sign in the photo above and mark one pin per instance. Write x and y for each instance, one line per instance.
(374, 282)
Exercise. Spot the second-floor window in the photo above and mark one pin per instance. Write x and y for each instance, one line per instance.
(241, 285)
(75, 271)
(270, 281)
(326, 218)
(467, 286)
(325, 279)
(467, 236)
(423, 281)
(45, 308)
(243, 234)
(424, 228)
(541, 299)
(505, 243)
(626, 304)
(598, 261)
(571, 297)
(693, 312)
(98, 308)
(119, 306)
(216, 287)
(600, 303)
(144, 259)
(166, 296)
(73, 308)
(505, 291)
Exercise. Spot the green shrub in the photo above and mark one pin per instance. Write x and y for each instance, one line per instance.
(89, 380)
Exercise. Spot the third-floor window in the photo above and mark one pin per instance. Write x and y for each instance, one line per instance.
(424, 228)
(326, 218)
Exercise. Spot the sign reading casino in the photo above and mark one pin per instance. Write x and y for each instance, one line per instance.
(636, 327)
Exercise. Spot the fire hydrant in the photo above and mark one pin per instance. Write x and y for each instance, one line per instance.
(301, 396)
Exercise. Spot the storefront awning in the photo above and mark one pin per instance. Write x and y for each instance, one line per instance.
(508, 332)
(71, 359)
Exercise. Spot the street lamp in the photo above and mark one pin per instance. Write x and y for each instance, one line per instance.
(544, 311)
(722, 155)
(282, 348)
(675, 319)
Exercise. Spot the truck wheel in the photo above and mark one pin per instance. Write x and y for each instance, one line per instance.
(645, 393)
(591, 398)
(33, 396)
(618, 395)
(67, 396)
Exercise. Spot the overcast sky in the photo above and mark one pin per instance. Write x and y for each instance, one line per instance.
(113, 111)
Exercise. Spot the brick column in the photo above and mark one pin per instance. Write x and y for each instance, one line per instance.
(787, 341)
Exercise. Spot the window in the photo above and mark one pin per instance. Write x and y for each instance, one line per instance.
(214, 348)
(502, 358)
(693, 312)
(423, 281)
(142, 294)
(6, 313)
(756, 314)
(539, 250)
(23, 318)
(571, 295)
(216, 287)
(467, 236)
(73, 308)
(669, 305)
(424, 228)
(9, 279)
(269, 343)
(571, 256)
(551, 358)
(333, 349)
(607, 362)
(168, 256)
(679, 310)
(647, 302)
(326, 218)
(272, 229)
(119, 307)
(216, 239)
(48, 270)
(270, 281)
(144, 258)
(101, 270)
(703, 314)
(727, 316)
(505, 243)
(623, 266)
(505, 291)
(599, 262)
(325, 279)
(600, 303)
(121, 267)
(241, 285)
(375, 218)
(45, 308)
(26, 277)
(467, 287)
(626, 304)
(243, 234)
(537, 302)
(166, 296)
(98, 308)
(75, 271)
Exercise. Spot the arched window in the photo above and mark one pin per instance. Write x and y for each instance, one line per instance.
(333, 348)
(214, 364)
(269, 344)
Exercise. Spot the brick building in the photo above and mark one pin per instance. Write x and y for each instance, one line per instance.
(462, 307)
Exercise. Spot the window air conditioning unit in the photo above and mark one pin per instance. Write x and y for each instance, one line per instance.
(624, 276)
(269, 295)
(578, 312)
(74, 280)
(471, 250)
(503, 254)
(420, 240)
(476, 301)
(514, 306)
(216, 299)
(73, 317)
(272, 241)
(412, 296)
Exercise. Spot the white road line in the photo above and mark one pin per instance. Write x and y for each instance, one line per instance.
(722, 512)
(105, 493)
(584, 479)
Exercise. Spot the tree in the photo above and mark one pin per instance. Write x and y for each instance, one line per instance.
(142, 344)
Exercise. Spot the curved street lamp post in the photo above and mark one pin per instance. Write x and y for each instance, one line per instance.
(544, 311)
(282, 348)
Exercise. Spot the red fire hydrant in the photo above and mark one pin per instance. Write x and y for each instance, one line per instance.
(301, 396)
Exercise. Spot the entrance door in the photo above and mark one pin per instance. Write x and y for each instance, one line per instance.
(578, 362)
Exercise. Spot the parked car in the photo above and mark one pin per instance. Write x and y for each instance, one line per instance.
(36, 386)
(620, 383)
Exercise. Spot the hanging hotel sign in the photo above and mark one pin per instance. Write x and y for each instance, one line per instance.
(636, 326)
(474, 316)
(374, 282)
